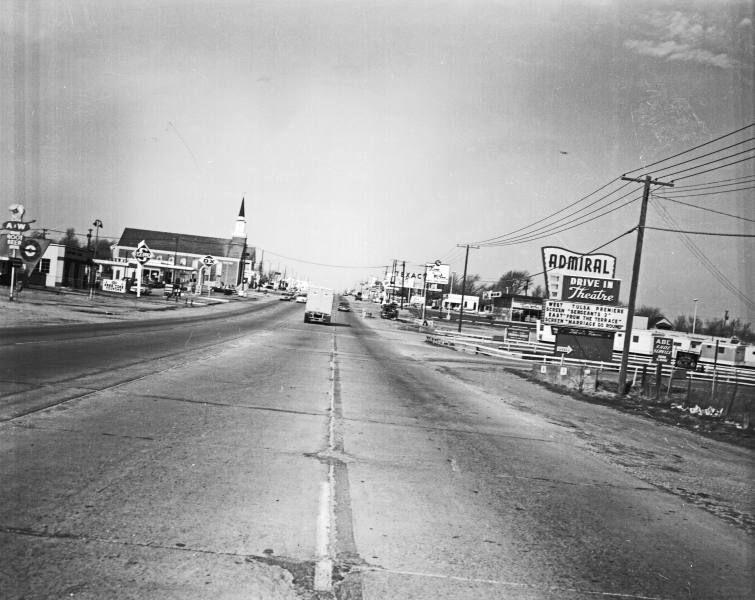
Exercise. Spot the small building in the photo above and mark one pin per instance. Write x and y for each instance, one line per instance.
(51, 267)
(453, 302)
(177, 258)
(514, 307)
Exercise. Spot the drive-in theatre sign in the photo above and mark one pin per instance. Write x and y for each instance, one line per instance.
(582, 295)
(559, 261)
(592, 290)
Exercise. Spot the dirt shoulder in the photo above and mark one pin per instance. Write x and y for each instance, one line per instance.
(42, 307)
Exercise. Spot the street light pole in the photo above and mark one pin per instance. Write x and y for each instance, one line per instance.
(694, 316)
(97, 225)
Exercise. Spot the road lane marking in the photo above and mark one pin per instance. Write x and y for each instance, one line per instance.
(324, 564)
(325, 516)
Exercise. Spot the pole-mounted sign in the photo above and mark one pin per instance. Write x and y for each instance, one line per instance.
(30, 250)
(208, 261)
(142, 253)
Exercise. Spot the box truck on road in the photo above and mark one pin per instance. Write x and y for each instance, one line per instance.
(320, 305)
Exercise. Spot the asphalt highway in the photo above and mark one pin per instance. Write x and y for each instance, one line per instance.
(255, 456)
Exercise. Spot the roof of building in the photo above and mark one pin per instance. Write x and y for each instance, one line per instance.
(183, 243)
(660, 323)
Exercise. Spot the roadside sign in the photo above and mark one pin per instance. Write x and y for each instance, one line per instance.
(16, 262)
(30, 250)
(584, 344)
(208, 261)
(587, 316)
(142, 252)
(590, 290)
(687, 360)
(16, 226)
(560, 261)
(521, 334)
(662, 347)
(14, 240)
(437, 273)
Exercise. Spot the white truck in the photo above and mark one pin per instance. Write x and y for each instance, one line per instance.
(320, 306)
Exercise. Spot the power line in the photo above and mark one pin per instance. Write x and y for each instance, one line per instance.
(714, 168)
(548, 217)
(705, 208)
(714, 233)
(687, 195)
(713, 141)
(703, 258)
(689, 160)
(708, 185)
(712, 162)
(307, 262)
(561, 228)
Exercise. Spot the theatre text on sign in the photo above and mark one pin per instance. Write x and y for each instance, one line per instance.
(590, 316)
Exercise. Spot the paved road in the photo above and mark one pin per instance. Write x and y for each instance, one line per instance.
(261, 457)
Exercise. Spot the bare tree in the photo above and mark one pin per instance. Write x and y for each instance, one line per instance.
(70, 240)
(514, 282)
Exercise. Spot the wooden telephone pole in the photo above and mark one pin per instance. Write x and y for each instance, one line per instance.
(635, 277)
(464, 282)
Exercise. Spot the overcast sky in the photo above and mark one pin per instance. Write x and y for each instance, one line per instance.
(362, 132)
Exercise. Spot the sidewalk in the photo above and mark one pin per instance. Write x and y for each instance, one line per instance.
(35, 306)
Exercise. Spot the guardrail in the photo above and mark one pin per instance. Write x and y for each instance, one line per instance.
(728, 394)
(535, 352)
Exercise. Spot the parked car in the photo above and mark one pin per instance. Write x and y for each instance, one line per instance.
(145, 291)
(389, 311)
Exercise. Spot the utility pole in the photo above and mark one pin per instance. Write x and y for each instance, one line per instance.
(635, 276)
(463, 282)
(393, 281)
(403, 279)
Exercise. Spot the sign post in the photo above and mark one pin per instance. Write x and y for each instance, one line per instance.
(142, 254)
(208, 262)
(15, 233)
(662, 348)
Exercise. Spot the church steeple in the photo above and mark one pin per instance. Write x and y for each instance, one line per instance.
(240, 231)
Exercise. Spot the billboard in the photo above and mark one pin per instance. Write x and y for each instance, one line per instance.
(589, 316)
(592, 290)
(560, 261)
(438, 273)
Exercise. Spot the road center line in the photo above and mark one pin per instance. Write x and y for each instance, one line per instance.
(325, 516)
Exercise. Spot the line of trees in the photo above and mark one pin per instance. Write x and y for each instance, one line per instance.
(723, 327)
(511, 282)
(71, 239)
